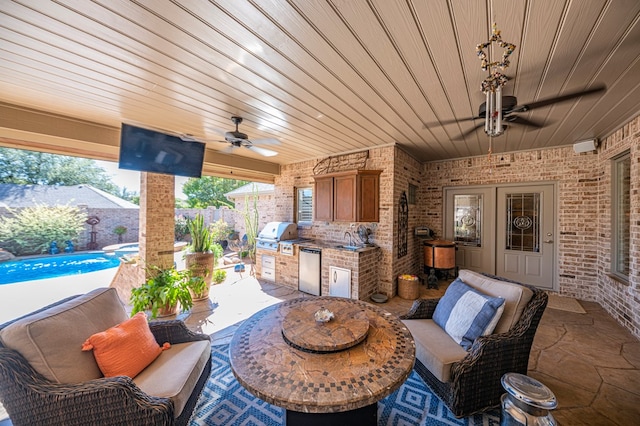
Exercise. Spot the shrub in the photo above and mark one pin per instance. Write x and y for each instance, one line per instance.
(220, 230)
(181, 227)
(31, 230)
(219, 275)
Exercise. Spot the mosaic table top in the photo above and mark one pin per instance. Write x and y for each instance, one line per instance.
(348, 327)
(298, 380)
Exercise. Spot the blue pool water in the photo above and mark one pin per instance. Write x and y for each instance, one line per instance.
(38, 268)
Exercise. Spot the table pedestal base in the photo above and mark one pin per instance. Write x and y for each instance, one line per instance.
(365, 416)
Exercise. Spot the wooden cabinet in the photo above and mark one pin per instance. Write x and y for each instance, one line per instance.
(323, 203)
(352, 196)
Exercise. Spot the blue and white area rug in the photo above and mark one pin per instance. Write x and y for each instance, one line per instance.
(225, 402)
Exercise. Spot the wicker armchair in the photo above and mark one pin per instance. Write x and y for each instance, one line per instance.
(475, 380)
(32, 399)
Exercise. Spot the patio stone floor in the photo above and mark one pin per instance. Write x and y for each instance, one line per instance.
(590, 362)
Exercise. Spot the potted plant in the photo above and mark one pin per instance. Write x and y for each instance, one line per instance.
(120, 231)
(162, 292)
(200, 258)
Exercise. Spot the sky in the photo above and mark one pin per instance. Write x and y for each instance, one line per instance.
(131, 179)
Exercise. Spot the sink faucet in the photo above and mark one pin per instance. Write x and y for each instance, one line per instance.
(350, 240)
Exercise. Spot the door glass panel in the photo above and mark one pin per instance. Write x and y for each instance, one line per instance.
(468, 220)
(523, 222)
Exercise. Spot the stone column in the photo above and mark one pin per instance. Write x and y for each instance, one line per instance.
(157, 219)
(157, 230)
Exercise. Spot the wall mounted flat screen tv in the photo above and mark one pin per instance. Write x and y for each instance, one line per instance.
(150, 151)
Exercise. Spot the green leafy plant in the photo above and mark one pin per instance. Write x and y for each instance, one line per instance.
(120, 230)
(219, 275)
(32, 229)
(220, 230)
(164, 289)
(197, 284)
(181, 227)
(201, 237)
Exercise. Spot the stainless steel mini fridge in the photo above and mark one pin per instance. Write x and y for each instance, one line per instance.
(309, 270)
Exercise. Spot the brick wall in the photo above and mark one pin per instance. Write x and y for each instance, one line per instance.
(157, 212)
(621, 299)
(300, 175)
(583, 212)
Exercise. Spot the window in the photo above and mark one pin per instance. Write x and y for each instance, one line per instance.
(413, 191)
(468, 220)
(304, 205)
(621, 206)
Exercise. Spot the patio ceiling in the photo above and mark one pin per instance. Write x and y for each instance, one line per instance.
(323, 77)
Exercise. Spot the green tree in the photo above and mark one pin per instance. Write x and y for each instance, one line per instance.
(39, 168)
(31, 230)
(209, 191)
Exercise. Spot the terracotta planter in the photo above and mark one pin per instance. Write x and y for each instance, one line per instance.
(167, 310)
(201, 265)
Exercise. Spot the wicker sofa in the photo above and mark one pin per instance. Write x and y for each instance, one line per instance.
(469, 381)
(46, 379)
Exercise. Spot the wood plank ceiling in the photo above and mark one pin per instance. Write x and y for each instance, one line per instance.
(322, 76)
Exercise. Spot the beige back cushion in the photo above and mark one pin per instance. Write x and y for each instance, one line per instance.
(516, 296)
(51, 341)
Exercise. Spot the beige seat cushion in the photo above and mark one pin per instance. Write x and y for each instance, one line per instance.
(175, 372)
(434, 347)
(516, 296)
(51, 341)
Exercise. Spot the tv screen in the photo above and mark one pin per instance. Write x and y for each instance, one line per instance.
(150, 151)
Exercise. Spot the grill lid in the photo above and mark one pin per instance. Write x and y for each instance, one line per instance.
(278, 231)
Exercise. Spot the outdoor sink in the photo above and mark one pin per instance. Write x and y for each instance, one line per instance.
(350, 248)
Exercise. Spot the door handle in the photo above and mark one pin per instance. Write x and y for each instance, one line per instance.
(548, 241)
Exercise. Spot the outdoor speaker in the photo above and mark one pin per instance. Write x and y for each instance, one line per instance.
(585, 146)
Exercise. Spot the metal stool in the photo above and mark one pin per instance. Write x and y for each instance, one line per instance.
(527, 402)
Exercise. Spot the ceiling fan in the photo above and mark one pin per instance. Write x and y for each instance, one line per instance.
(237, 139)
(510, 109)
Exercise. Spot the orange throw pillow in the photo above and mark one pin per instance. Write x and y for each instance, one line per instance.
(125, 349)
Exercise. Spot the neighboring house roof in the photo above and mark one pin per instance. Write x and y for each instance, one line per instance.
(16, 196)
(250, 188)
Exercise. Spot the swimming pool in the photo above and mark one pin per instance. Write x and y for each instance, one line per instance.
(38, 268)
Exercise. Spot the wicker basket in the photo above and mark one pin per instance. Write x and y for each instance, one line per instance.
(408, 289)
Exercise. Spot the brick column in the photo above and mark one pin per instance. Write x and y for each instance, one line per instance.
(157, 219)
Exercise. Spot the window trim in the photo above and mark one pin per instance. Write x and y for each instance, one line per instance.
(616, 193)
(297, 205)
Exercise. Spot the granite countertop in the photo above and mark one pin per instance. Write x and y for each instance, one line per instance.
(334, 245)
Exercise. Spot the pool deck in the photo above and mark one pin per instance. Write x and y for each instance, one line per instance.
(21, 298)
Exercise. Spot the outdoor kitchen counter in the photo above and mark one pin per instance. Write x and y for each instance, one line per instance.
(333, 245)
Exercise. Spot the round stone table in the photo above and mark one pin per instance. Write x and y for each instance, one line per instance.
(340, 384)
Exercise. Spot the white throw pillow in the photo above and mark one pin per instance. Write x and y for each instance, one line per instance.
(465, 313)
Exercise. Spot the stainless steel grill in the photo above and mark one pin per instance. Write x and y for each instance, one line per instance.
(274, 232)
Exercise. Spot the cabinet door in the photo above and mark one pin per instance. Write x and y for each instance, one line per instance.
(323, 206)
(344, 209)
(368, 198)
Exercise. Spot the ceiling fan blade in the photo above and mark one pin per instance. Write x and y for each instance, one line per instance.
(469, 132)
(265, 141)
(524, 121)
(229, 149)
(452, 121)
(262, 151)
(563, 98)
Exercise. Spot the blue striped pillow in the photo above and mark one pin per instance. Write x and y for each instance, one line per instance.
(465, 313)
